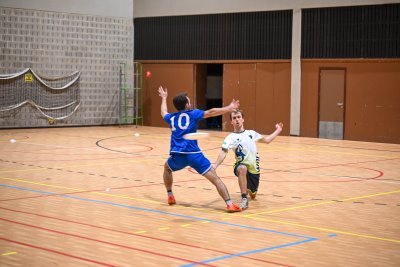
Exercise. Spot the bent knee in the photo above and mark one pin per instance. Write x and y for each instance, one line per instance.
(167, 168)
(242, 169)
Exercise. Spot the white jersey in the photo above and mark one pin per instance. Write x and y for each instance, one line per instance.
(244, 146)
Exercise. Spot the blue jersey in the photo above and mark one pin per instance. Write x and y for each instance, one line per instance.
(181, 123)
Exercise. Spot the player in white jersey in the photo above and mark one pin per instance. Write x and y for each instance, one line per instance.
(185, 152)
(247, 165)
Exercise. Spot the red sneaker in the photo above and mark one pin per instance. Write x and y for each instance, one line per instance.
(171, 200)
(233, 208)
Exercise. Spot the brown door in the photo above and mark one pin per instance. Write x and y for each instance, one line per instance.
(331, 103)
(239, 82)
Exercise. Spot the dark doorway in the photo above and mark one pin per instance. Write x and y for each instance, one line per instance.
(208, 88)
(214, 93)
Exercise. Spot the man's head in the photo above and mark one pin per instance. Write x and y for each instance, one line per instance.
(235, 112)
(237, 119)
(181, 102)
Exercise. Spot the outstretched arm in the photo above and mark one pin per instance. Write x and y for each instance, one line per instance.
(163, 94)
(219, 111)
(220, 158)
(272, 136)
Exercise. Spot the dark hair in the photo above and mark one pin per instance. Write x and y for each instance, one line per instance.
(180, 101)
(236, 111)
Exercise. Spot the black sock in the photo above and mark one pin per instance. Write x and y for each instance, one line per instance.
(169, 192)
(244, 195)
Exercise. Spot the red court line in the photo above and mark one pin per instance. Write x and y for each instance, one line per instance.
(57, 252)
(104, 242)
(142, 236)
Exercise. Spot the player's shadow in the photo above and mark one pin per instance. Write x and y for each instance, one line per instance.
(210, 205)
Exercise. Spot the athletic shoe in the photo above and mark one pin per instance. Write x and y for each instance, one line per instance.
(245, 203)
(233, 208)
(171, 200)
(251, 194)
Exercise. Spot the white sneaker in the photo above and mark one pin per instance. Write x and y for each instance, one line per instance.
(245, 204)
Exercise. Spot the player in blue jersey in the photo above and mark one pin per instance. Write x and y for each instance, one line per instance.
(185, 152)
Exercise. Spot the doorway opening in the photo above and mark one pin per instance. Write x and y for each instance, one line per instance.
(209, 92)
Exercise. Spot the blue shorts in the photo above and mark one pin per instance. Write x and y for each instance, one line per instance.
(197, 161)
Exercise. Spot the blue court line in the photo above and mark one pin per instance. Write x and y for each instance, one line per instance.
(250, 252)
(306, 238)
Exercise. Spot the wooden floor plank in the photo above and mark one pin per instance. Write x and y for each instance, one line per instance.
(90, 196)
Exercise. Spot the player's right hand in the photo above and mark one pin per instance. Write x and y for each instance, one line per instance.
(234, 105)
(163, 93)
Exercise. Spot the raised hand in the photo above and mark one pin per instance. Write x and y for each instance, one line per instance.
(163, 93)
(279, 126)
(234, 105)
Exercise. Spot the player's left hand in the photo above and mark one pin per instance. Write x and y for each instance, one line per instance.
(279, 126)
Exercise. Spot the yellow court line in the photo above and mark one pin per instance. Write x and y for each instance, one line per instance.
(373, 195)
(328, 230)
(321, 203)
(37, 183)
(25, 170)
(9, 253)
(290, 208)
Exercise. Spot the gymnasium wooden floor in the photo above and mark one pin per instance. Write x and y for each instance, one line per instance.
(93, 196)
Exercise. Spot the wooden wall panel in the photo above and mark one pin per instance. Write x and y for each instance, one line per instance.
(247, 93)
(176, 77)
(273, 97)
(230, 90)
(264, 93)
(265, 97)
(309, 99)
(239, 82)
(372, 100)
(373, 93)
(281, 97)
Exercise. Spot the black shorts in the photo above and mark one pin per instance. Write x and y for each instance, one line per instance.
(253, 180)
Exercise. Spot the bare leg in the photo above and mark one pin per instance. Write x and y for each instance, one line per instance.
(242, 172)
(242, 177)
(168, 178)
(212, 176)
